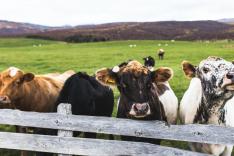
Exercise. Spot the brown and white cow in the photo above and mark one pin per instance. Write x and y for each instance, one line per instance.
(161, 53)
(209, 99)
(139, 89)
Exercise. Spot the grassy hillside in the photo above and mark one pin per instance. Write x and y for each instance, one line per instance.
(40, 56)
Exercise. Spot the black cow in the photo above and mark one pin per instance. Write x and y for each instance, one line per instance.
(87, 97)
(138, 92)
(149, 62)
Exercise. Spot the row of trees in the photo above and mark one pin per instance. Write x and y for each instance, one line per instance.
(73, 38)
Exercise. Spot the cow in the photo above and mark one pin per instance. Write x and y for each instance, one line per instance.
(161, 53)
(29, 92)
(209, 99)
(87, 97)
(61, 77)
(140, 90)
(149, 62)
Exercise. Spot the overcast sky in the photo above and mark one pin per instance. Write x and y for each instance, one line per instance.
(76, 12)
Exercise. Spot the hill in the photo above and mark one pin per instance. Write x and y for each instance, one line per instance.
(168, 30)
(8, 28)
(185, 30)
(227, 20)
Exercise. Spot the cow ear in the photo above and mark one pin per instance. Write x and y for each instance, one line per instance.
(162, 74)
(27, 77)
(232, 61)
(106, 76)
(189, 69)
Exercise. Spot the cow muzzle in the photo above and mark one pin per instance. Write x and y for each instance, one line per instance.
(4, 99)
(140, 110)
(228, 81)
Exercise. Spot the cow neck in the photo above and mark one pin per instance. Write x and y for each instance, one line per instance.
(157, 104)
(29, 89)
(211, 109)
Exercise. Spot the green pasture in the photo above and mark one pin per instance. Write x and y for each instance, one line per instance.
(40, 56)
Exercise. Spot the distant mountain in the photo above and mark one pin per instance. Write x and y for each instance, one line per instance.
(183, 30)
(227, 20)
(8, 28)
(168, 30)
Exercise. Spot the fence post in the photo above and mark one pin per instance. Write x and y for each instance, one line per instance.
(65, 109)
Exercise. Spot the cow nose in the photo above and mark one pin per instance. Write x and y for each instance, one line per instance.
(4, 99)
(141, 107)
(230, 75)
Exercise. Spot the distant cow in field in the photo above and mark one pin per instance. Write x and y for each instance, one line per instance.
(149, 62)
(161, 54)
(140, 92)
(209, 99)
(87, 97)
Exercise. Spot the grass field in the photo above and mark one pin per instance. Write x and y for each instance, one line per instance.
(52, 56)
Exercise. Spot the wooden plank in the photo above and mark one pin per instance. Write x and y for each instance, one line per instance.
(82, 146)
(64, 109)
(150, 129)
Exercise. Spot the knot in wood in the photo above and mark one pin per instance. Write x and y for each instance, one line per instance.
(138, 133)
(197, 133)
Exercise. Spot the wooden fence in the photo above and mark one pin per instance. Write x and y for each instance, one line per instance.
(66, 144)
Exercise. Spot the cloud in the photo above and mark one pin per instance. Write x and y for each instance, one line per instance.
(74, 12)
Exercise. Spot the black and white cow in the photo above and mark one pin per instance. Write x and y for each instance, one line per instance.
(209, 99)
(87, 97)
(140, 90)
(149, 62)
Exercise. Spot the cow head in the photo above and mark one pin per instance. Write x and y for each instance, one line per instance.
(137, 86)
(11, 84)
(216, 75)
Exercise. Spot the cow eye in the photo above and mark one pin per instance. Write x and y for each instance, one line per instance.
(17, 82)
(206, 70)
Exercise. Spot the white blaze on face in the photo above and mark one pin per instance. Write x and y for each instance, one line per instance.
(13, 71)
(116, 69)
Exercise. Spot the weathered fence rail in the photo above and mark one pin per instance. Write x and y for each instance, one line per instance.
(82, 146)
(66, 144)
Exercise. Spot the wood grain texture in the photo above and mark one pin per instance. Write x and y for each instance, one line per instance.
(85, 146)
(64, 109)
(150, 129)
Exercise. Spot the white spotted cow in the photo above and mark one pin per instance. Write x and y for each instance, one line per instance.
(209, 99)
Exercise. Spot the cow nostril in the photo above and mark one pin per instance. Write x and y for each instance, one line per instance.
(230, 75)
(3, 98)
(144, 107)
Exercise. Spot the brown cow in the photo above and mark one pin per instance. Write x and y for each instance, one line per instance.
(29, 92)
(161, 53)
